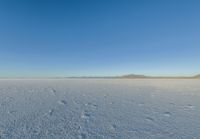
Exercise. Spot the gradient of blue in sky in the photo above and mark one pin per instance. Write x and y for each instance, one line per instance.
(99, 37)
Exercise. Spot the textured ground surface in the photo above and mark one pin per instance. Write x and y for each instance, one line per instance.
(99, 109)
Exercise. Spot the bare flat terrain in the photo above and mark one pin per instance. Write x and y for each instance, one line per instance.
(99, 108)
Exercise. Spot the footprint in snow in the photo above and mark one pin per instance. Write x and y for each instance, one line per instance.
(12, 112)
(141, 104)
(190, 106)
(105, 96)
(113, 128)
(91, 105)
(85, 115)
(167, 114)
(171, 103)
(51, 112)
(53, 91)
(9, 98)
(82, 136)
(62, 102)
(149, 119)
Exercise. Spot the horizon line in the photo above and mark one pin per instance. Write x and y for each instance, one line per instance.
(105, 76)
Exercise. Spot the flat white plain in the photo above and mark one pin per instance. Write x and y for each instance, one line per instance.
(99, 109)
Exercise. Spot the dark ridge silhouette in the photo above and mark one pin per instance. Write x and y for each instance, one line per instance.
(133, 76)
(197, 76)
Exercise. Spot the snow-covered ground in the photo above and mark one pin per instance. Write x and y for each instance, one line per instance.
(99, 109)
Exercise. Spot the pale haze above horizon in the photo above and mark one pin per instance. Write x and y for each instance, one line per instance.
(57, 38)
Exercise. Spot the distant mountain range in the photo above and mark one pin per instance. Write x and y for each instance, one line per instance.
(132, 76)
(136, 76)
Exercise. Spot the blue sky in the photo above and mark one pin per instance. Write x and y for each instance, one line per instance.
(99, 37)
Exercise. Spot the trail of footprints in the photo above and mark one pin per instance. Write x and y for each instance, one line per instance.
(86, 115)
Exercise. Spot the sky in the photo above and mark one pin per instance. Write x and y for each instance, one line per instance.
(57, 38)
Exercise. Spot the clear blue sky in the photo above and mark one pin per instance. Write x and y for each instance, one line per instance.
(99, 37)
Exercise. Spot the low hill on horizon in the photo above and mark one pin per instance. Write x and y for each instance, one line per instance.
(144, 76)
(133, 76)
(197, 76)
